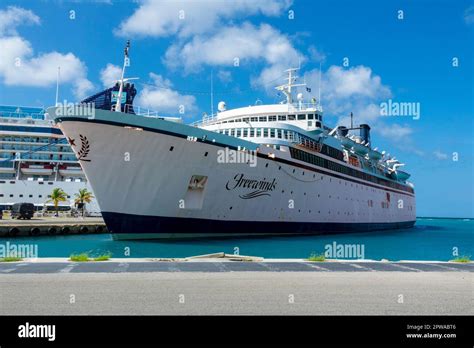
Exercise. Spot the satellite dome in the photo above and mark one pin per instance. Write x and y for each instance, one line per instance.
(299, 96)
(221, 106)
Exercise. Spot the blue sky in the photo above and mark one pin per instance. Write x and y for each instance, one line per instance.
(407, 59)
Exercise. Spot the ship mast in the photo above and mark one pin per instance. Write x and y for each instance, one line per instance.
(286, 89)
(126, 62)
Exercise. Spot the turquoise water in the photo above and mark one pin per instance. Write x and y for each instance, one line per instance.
(430, 239)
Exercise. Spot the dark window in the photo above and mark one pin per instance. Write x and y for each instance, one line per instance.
(310, 116)
(281, 117)
(262, 119)
(272, 118)
(291, 117)
(301, 117)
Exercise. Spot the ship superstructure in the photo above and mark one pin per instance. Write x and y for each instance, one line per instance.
(35, 158)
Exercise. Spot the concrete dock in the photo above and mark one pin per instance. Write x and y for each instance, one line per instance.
(51, 226)
(216, 287)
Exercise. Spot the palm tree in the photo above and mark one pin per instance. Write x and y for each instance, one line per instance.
(82, 198)
(58, 195)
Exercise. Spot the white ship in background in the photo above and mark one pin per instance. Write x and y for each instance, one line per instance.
(35, 158)
(155, 177)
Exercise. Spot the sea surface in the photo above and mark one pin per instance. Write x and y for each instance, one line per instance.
(430, 239)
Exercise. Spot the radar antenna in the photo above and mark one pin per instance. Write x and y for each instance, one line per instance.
(286, 88)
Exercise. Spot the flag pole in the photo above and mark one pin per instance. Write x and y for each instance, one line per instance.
(57, 86)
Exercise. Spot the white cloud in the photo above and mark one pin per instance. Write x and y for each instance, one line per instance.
(243, 43)
(162, 98)
(440, 155)
(316, 55)
(225, 76)
(394, 131)
(354, 82)
(357, 90)
(20, 67)
(110, 74)
(14, 16)
(159, 18)
(469, 15)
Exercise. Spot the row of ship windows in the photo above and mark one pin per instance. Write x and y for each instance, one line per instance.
(322, 162)
(260, 132)
(48, 148)
(40, 140)
(36, 156)
(299, 117)
(30, 196)
(348, 213)
(40, 180)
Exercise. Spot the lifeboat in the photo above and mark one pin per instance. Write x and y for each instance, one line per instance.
(70, 171)
(360, 149)
(397, 173)
(375, 155)
(36, 169)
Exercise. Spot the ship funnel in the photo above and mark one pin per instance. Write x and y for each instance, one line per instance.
(342, 131)
(365, 132)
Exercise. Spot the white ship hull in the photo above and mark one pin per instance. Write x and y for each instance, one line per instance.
(140, 170)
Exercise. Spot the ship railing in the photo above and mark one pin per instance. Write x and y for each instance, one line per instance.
(206, 119)
(300, 106)
(145, 112)
(25, 120)
(137, 110)
(22, 115)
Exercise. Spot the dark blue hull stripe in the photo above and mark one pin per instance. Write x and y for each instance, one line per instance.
(118, 223)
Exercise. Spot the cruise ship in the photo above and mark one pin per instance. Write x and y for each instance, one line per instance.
(256, 170)
(35, 158)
